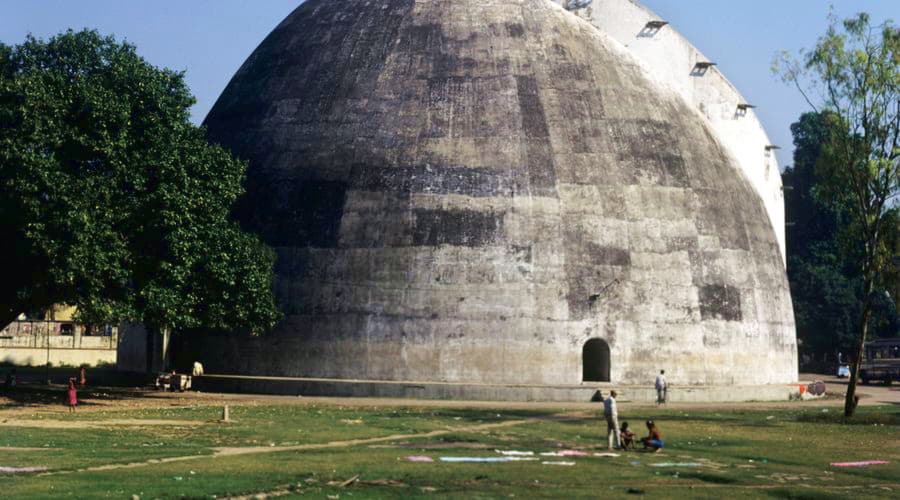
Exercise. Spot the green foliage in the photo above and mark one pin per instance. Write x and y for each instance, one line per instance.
(853, 73)
(824, 274)
(112, 200)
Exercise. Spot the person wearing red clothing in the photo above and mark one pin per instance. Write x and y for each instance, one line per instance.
(73, 396)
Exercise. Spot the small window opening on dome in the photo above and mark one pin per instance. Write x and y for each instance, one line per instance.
(652, 28)
(577, 4)
(743, 108)
(595, 361)
(702, 67)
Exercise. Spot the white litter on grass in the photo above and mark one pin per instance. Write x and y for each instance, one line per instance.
(485, 459)
(606, 455)
(21, 470)
(567, 464)
(515, 453)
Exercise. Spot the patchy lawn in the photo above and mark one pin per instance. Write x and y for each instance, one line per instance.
(327, 450)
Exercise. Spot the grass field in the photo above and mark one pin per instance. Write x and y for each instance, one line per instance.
(326, 450)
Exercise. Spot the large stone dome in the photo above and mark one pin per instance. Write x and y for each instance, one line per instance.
(493, 192)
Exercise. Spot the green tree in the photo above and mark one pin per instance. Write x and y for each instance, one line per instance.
(854, 74)
(825, 281)
(111, 200)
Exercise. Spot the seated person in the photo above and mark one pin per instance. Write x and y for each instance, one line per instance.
(654, 440)
(626, 437)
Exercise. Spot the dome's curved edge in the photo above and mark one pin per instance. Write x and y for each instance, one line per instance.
(670, 56)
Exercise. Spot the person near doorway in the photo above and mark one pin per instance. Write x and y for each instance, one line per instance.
(653, 441)
(661, 388)
(611, 413)
(82, 377)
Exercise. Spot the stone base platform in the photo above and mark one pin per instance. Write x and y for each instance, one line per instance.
(484, 392)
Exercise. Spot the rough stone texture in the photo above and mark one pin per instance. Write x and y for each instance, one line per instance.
(672, 60)
(468, 191)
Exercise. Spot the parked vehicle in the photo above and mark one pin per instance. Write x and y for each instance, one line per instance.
(881, 361)
(843, 371)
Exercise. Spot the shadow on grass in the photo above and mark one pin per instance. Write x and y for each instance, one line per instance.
(27, 395)
(708, 478)
(795, 494)
(891, 417)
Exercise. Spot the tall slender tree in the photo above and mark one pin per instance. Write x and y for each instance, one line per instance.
(853, 73)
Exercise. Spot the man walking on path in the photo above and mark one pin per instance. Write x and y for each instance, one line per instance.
(612, 420)
(661, 388)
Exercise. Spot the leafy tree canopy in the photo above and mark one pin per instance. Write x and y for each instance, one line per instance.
(824, 273)
(853, 74)
(111, 200)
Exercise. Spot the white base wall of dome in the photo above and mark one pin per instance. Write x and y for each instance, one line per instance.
(308, 387)
(494, 192)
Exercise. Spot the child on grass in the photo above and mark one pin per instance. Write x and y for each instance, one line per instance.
(626, 436)
(73, 395)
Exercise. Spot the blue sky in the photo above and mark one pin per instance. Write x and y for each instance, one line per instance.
(209, 39)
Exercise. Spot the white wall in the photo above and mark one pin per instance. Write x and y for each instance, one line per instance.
(670, 58)
(21, 356)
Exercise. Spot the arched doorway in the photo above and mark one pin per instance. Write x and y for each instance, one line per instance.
(595, 361)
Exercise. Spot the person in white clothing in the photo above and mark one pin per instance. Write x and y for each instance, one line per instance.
(661, 387)
(611, 413)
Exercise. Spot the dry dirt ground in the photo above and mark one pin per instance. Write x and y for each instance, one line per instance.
(104, 398)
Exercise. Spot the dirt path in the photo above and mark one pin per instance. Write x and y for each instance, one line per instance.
(100, 424)
(14, 448)
(255, 450)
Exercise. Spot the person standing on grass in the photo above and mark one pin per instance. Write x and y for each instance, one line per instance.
(611, 413)
(661, 387)
(73, 395)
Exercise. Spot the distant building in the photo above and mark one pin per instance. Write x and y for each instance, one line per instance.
(55, 336)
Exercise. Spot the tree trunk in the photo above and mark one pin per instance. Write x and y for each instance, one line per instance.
(850, 400)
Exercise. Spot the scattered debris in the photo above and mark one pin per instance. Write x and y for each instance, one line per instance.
(344, 484)
(446, 445)
(485, 459)
(384, 482)
(677, 464)
(607, 454)
(514, 453)
(21, 470)
(567, 464)
(859, 464)
(566, 453)
(418, 458)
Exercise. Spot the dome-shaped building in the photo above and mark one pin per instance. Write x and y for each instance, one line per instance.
(493, 192)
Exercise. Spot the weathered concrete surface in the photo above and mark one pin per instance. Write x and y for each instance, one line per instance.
(485, 392)
(468, 191)
(671, 59)
(58, 357)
